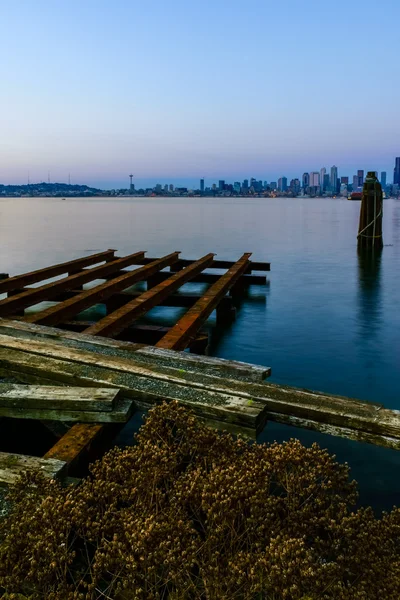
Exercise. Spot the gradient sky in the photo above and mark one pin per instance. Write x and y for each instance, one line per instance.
(174, 90)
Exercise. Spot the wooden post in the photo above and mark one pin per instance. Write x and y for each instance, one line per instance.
(370, 228)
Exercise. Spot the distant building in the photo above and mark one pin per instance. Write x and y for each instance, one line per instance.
(265, 184)
(383, 179)
(355, 183)
(273, 185)
(322, 174)
(314, 179)
(306, 180)
(344, 180)
(333, 179)
(202, 186)
(166, 188)
(221, 184)
(396, 174)
(158, 188)
(237, 187)
(245, 186)
(171, 187)
(214, 187)
(295, 186)
(282, 184)
(360, 175)
(325, 187)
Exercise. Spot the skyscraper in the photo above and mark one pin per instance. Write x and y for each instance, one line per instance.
(322, 174)
(355, 183)
(333, 180)
(396, 174)
(306, 180)
(383, 179)
(202, 186)
(282, 184)
(221, 184)
(344, 180)
(314, 179)
(360, 175)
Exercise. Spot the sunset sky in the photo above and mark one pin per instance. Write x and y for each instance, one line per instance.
(177, 90)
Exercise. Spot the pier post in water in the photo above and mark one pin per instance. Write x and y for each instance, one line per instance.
(370, 228)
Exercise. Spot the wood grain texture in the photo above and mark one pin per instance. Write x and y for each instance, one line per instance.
(13, 465)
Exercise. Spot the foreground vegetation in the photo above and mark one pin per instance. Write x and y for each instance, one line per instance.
(188, 514)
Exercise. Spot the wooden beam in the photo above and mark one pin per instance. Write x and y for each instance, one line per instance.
(74, 442)
(13, 465)
(216, 264)
(140, 353)
(209, 278)
(181, 300)
(120, 413)
(184, 331)
(19, 281)
(117, 321)
(31, 296)
(73, 306)
(28, 397)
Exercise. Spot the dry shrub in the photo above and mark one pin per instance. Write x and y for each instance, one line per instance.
(189, 513)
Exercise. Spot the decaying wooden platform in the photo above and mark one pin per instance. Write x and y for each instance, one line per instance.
(73, 372)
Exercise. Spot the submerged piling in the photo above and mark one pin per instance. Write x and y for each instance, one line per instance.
(370, 227)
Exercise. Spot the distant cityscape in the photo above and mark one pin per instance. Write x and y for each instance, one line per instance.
(313, 184)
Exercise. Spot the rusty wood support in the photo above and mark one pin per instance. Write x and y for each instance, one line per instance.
(216, 264)
(186, 328)
(117, 321)
(74, 442)
(73, 306)
(19, 281)
(31, 296)
(210, 278)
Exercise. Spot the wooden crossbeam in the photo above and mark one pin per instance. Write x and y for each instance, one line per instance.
(19, 281)
(117, 321)
(73, 306)
(26, 397)
(180, 335)
(216, 264)
(182, 300)
(31, 296)
(211, 278)
(74, 442)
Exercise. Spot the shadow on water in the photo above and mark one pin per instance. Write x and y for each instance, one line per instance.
(369, 293)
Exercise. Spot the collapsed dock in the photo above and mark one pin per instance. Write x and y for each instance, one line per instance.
(84, 380)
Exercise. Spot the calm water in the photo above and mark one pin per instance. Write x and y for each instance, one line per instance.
(327, 320)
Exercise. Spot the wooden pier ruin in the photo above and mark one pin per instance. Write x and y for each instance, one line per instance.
(84, 380)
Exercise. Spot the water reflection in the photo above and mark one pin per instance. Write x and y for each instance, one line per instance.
(369, 293)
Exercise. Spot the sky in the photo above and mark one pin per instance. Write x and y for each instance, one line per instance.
(175, 90)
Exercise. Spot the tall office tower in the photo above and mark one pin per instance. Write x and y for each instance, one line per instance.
(396, 174)
(171, 187)
(326, 183)
(245, 184)
(202, 185)
(383, 179)
(344, 180)
(360, 175)
(355, 183)
(333, 179)
(221, 184)
(314, 179)
(322, 174)
(273, 185)
(306, 180)
(282, 184)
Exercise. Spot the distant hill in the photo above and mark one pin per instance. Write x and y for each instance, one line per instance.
(48, 189)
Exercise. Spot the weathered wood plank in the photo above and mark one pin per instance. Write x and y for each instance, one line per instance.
(121, 413)
(13, 465)
(181, 334)
(145, 391)
(23, 397)
(74, 442)
(19, 281)
(32, 296)
(118, 320)
(73, 306)
(158, 357)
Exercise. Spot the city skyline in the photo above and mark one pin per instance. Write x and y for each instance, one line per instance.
(182, 90)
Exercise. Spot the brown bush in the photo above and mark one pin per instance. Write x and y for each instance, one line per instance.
(188, 513)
